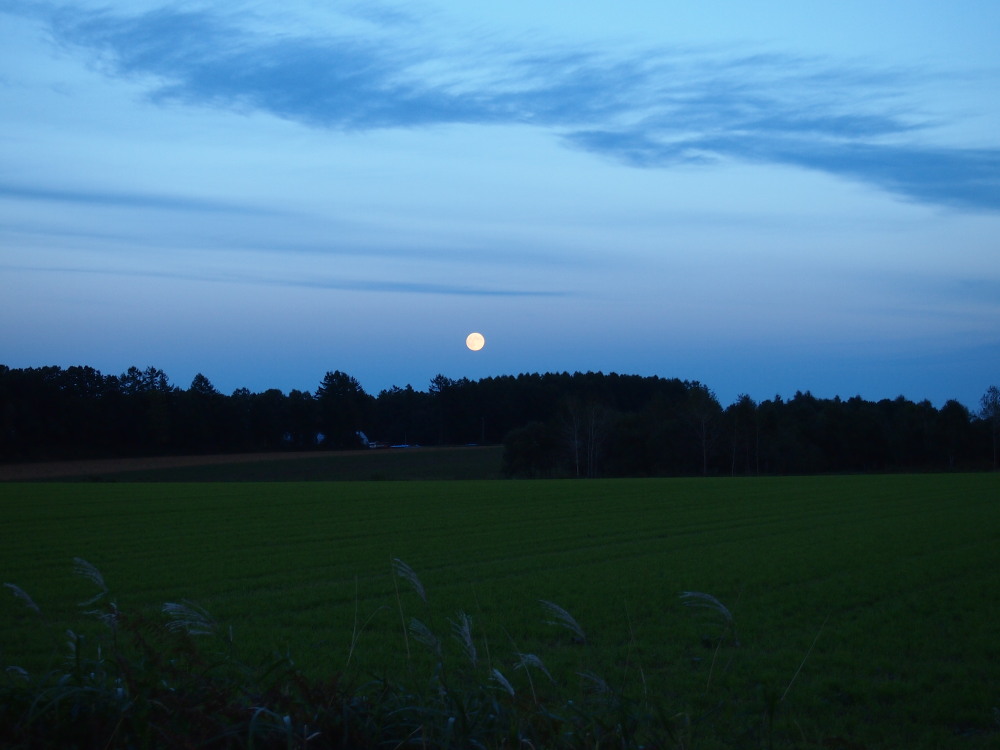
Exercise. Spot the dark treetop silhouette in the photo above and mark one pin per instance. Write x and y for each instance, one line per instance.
(553, 424)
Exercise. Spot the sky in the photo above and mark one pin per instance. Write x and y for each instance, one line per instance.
(763, 197)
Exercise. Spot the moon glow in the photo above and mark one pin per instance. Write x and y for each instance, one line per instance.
(475, 341)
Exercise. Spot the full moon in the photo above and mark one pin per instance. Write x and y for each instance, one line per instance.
(475, 341)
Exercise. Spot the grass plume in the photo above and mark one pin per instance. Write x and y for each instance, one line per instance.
(404, 571)
(188, 617)
(563, 618)
(462, 629)
(532, 660)
(497, 676)
(89, 571)
(24, 597)
(407, 573)
(596, 684)
(700, 599)
(423, 634)
(707, 601)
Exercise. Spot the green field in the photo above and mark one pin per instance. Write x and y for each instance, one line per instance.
(875, 598)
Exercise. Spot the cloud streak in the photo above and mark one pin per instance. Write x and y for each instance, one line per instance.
(653, 109)
(329, 283)
(125, 200)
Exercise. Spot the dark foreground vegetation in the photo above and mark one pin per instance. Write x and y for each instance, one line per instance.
(551, 425)
(172, 679)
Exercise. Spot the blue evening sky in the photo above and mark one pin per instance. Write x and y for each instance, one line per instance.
(764, 197)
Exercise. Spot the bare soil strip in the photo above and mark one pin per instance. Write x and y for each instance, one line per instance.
(97, 467)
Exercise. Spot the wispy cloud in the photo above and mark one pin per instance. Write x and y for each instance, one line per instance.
(960, 178)
(312, 282)
(271, 239)
(126, 200)
(653, 109)
(408, 287)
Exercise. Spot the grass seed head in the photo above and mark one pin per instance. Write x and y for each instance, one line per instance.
(18, 672)
(565, 619)
(423, 634)
(463, 634)
(407, 573)
(83, 568)
(73, 642)
(188, 617)
(595, 683)
(108, 617)
(498, 677)
(531, 660)
(23, 596)
(699, 599)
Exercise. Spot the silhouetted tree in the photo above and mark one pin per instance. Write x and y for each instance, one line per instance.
(147, 417)
(745, 433)
(135, 381)
(551, 424)
(203, 423)
(587, 423)
(702, 415)
(442, 391)
(269, 419)
(202, 386)
(989, 411)
(953, 425)
(343, 409)
(302, 423)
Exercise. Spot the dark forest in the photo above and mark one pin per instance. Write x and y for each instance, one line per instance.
(551, 425)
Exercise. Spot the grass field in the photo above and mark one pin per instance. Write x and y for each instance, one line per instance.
(865, 608)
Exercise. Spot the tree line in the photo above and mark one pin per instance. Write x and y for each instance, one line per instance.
(552, 424)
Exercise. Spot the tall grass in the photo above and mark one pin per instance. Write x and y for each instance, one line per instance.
(173, 677)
